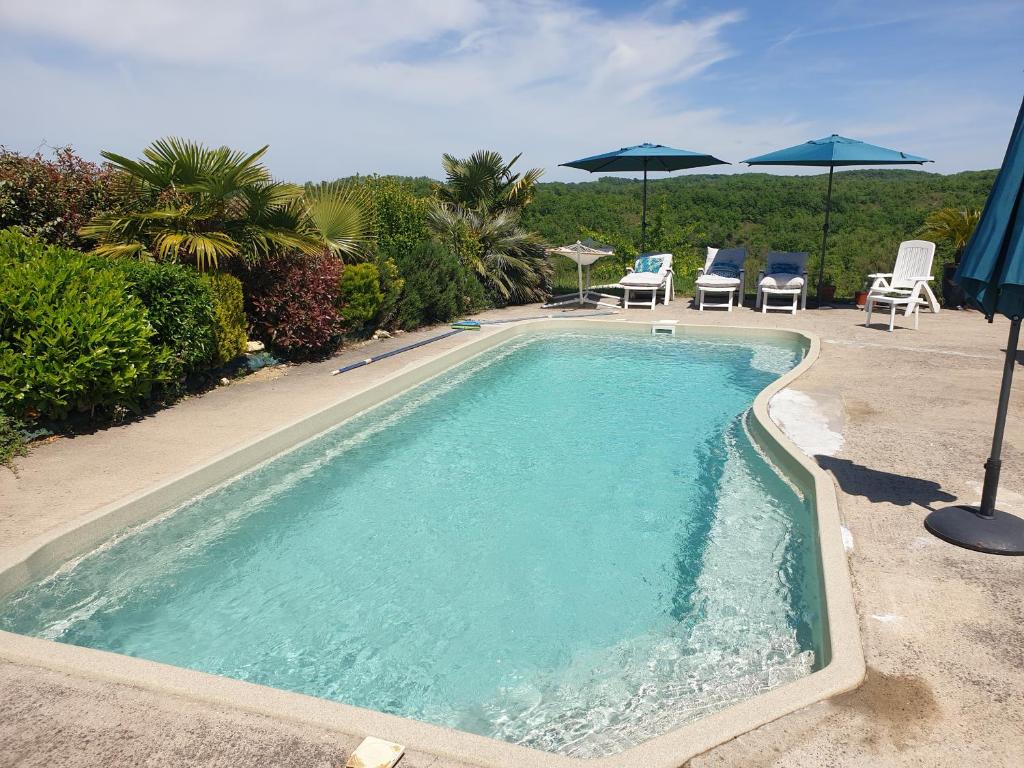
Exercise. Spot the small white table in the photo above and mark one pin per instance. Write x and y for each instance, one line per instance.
(767, 293)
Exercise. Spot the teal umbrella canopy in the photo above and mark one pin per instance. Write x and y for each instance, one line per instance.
(833, 152)
(991, 271)
(644, 157)
(836, 151)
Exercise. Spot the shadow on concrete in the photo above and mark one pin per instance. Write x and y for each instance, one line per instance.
(877, 486)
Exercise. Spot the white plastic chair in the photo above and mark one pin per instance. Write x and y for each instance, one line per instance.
(648, 281)
(906, 287)
(723, 272)
(785, 274)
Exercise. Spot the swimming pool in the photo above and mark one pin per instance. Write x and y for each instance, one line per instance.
(568, 543)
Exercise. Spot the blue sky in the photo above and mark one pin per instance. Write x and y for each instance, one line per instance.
(339, 87)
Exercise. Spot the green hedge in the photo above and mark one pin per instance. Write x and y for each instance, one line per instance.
(360, 296)
(229, 311)
(438, 288)
(72, 337)
(180, 306)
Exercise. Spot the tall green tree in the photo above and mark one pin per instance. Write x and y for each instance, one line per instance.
(478, 211)
(201, 204)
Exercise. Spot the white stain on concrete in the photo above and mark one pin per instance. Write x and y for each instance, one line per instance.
(807, 422)
(886, 618)
(847, 538)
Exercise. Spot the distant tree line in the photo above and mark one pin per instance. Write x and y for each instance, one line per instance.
(872, 212)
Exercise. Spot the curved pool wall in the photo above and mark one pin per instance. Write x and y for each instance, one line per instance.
(840, 662)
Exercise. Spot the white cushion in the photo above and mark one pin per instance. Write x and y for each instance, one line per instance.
(782, 280)
(717, 281)
(643, 279)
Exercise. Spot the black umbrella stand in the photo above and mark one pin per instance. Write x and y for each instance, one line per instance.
(985, 528)
(824, 236)
(643, 219)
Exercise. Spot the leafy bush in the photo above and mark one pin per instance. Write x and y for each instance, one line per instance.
(360, 295)
(72, 338)
(51, 198)
(399, 215)
(229, 311)
(12, 440)
(180, 307)
(391, 285)
(291, 301)
(438, 288)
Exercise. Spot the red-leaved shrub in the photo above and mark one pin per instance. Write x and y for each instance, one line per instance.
(291, 301)
(51, 198)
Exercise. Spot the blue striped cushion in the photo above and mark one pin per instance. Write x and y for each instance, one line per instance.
(725, 270)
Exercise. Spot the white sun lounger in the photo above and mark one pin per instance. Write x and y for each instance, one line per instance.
(723, 273)
(635, 280)
(906, 287)
(785, 274)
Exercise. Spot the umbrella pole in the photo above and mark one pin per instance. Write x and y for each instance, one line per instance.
(579, 274)
(985, 528)
(995, 462)
(824, 236)
(643, 220)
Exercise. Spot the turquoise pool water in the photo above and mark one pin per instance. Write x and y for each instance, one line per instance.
(568, 543)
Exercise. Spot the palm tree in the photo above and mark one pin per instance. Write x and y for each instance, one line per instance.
(485, 180)
(204, 204)
(477, 210)
(952, 225)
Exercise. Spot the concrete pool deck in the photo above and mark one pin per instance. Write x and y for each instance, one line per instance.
(940, 625)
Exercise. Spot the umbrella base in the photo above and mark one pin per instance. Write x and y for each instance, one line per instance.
(1001, 534)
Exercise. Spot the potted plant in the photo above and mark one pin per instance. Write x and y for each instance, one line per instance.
(861, 296)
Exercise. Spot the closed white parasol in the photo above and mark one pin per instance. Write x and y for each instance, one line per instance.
(584, 254)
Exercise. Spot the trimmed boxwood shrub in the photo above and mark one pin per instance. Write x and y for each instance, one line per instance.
(229, 311)
(360, 296)
(72, 338)
(291, 301)
(180, 307)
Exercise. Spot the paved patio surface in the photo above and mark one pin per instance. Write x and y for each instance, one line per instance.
(943, 628)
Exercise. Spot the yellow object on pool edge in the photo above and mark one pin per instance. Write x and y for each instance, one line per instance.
(375, 753)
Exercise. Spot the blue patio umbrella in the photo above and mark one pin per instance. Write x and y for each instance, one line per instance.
(644, 157)
(833, 152)
(991, 273)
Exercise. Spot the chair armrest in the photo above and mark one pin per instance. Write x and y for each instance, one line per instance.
(922, 279)
(876, 275)
(629, 270)
(700, 272)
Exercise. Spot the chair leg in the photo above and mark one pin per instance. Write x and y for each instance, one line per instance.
(794, 304)
(867, 311)
(625, 298)
(700, 295)
(892, 315)
(803, 297)
(917, 316)
(654, 298)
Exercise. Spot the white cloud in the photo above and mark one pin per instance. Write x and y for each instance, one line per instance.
(338, 87)
(341, 87)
